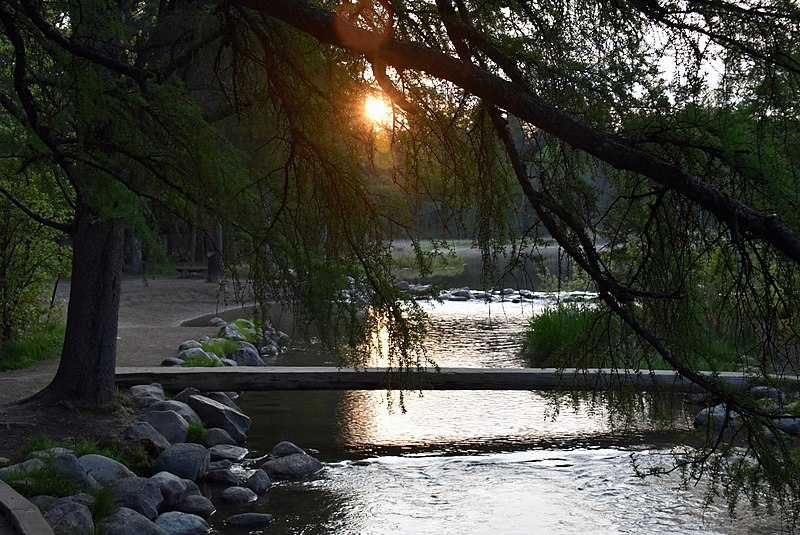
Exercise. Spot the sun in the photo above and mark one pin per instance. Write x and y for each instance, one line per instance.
(377, 110)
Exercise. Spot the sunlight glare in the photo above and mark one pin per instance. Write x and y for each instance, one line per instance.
(377, 110)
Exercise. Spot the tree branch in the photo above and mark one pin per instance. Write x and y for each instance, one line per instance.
(336, 30)
(62, 227)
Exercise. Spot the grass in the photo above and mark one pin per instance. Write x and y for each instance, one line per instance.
(575, 336)
(137, 459)
(198, 361)
(43, 342)
(221, 347)
(197, 433)
(437, 261)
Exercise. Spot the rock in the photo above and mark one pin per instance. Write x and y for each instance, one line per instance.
(461, 292)
(403, 285)
(173, 488)
(714, 417)
(103, 469)
(232, 332)
(291, 467)
(216, 436)
(246, 355)
(766, 392)
(26, 466)
(171, 362)
(284, 448)
(222, 464)
(68, 518)
(50, 453)
(145, 434)
(223, 477)
(215, 414)
(82, 498)
(226, 451)
(170, 424)
(190, 344)
(237, 495)
(146, 395)
(790, 426)
(249, 519)
(189, 461)
(44, 502)
(5, 461)
(186, 412)
(196, 504)
(69, 467)
(228, 362)
(258, 482)
(178, 523)
(223, 398)
(138, 493)
(184, 394)
(194, 353)
(217, 322)
(128, 522)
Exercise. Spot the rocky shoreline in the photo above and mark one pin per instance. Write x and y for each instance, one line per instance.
(194, 437)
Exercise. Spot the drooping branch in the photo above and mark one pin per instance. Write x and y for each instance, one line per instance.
(336, 30)
(62, 227)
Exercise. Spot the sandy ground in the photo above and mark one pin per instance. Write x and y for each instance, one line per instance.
(150, 317)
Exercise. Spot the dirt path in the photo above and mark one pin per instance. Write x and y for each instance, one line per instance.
(150, 317)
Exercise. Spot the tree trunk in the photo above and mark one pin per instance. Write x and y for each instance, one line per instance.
(85, 373)
(214, 251)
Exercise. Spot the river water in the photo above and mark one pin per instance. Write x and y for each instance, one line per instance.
(481, 462)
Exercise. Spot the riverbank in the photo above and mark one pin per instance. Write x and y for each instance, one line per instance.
(150, 317)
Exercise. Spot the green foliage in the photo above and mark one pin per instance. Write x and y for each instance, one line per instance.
(221, 347)
(199, 361)
(197, 433)
(43, 481)
(41, 342)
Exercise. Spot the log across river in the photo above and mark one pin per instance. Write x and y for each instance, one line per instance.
(246, 378)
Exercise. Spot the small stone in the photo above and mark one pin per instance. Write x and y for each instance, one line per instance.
(190, 344)
(26, 466)
(184, 394)
(172, 362)
(146, 395)
(292, 467)
(282, 449)
(127, 521)
(67, 518)
(222, 477)
(249, 519)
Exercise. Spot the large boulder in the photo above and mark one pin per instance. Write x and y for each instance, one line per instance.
(216, 436)
(788, 425)
(258, 482)
(25, 466)
(144, 434)
(196, 504)
(70, 517)
(174, 405)
(246, 354)
(232, 332)
(223, 398)
(104, 469)
(169, 423)
(226, 451)
(292, 467)
(185, 460)
(138, 493)
(223, 477)
(215, 414)
(173, 488)
(146, 395)
(237, 495)
(177, 523)
(128, 522)
(715, 417)
(284, 448)
(68, 467)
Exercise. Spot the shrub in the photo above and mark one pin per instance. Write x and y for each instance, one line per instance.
(40, 342)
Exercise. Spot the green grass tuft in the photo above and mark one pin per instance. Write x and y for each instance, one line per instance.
(43, 342)
(221, 347)
(198, 361)
(197, 433)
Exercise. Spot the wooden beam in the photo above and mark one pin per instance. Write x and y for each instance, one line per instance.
(331, 378)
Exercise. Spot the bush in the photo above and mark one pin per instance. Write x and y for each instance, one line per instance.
(560, 336)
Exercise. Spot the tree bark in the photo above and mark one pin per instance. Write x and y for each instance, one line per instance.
(214, 251)
(85, 373)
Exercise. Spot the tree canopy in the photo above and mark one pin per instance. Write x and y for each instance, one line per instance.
(655, 142)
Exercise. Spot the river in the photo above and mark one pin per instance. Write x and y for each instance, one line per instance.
(481, 462)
